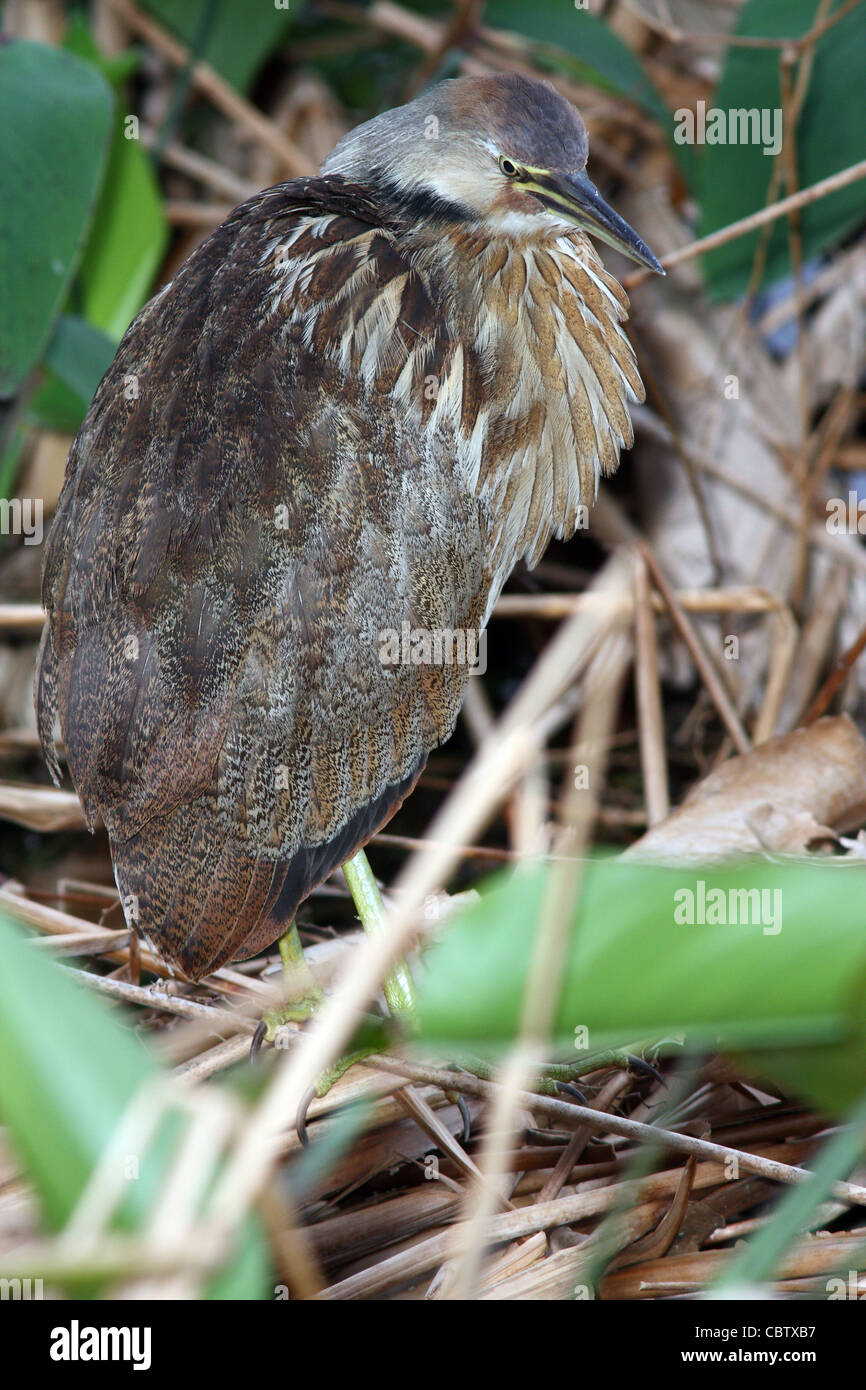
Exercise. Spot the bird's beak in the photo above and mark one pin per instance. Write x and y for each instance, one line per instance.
(574, 196)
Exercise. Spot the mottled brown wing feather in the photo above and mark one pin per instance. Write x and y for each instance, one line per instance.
(244, 512)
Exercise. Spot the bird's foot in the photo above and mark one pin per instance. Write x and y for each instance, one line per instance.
(272, 1025)
(554, 1078)
(373, 1036)
(303, 995)
(297, 1010)
(371, 1039)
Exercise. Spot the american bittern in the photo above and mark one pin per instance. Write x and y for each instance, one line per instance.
(360, 402)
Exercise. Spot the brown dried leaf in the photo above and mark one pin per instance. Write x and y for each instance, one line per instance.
(781, 796)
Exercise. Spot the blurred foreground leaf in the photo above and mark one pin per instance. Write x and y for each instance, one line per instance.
(75, 362)
(788, 991)
(130, 236)
(130, 232)
(79, 355)
(69, 1068)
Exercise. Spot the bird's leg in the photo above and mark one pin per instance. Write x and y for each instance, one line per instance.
(303, 994)
(399, 989)
(302, 990)
(301, 984)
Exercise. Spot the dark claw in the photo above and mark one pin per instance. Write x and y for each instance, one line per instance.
(457, 1098)
(644, 1068)
(257, 1040)
(570, 1090)
(301, 1117)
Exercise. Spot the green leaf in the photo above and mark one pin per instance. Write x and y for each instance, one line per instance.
(69, 1069)
(129, 233)
(79, 355)
(75, 362)
(240, 37)
(128, 240)
(54, 406)
(10, 462)
(116, 69)
(634, 971)
(733, 180)
(55, 114)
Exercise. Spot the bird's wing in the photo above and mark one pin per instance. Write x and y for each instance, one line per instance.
(248, 538)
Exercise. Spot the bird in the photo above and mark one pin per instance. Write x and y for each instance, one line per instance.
(361, 401)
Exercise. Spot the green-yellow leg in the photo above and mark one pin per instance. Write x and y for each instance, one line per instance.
(399, 989)
(303, 994)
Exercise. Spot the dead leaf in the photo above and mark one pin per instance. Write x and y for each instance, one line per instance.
(782, 796)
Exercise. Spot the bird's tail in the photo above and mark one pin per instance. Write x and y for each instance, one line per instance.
(202, 896)
(194, 893)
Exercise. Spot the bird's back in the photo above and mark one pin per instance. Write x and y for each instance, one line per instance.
(245, 523)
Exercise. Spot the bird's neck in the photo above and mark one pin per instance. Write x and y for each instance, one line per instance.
(539, 379)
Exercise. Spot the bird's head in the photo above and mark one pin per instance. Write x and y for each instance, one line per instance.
(505, 153)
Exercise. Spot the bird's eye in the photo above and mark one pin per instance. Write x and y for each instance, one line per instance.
(508, 167)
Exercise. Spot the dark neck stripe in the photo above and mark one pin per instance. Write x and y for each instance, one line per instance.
(418, 204)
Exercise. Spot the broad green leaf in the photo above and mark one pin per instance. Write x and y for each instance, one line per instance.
(733, 180)
(634, 971)
(127, 242)
(10, 462)
(75, 362)
(240, 37)
(55, 114)
(69, 1068)
(79, 355)
(54, 406)
(129, 232)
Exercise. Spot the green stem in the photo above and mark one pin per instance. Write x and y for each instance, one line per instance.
(399, 987)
